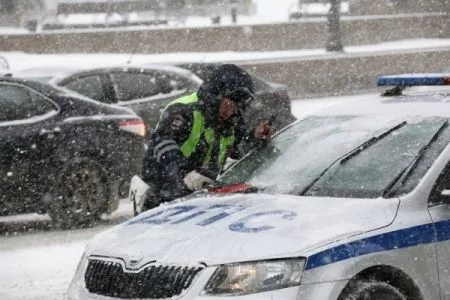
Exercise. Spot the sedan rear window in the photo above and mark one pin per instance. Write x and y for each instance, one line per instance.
(90, 86)
(132, 86)
(307, 157)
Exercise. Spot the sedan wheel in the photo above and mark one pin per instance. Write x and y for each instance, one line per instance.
(82, 194)
(372, 290)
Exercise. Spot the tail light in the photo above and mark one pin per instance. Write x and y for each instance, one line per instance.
(133, 126)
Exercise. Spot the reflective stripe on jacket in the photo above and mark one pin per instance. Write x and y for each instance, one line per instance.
(198, 130)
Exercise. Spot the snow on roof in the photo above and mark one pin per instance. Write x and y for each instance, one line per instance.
(53, 72)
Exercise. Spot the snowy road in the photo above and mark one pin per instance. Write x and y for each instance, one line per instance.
(27, 61)
(39, 264)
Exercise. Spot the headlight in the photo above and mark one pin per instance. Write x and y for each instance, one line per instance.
(254, 277)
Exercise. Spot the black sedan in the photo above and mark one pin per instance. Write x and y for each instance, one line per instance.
(147, 89)
(62, 153)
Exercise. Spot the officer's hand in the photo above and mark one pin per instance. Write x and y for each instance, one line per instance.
(172, 190)
(195, 181)
(263, 131)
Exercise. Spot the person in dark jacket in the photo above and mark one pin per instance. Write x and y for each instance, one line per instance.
(197, 133)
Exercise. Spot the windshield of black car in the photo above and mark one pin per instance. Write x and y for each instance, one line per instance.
(298, 156)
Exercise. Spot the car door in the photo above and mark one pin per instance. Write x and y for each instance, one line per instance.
(147, 92)
(92, 85)
(28, 137)
(439, 208)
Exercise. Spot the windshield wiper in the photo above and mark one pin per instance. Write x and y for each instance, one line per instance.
(404, 174)
(352, 153)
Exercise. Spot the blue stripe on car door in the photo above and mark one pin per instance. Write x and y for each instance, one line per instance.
(403, 238)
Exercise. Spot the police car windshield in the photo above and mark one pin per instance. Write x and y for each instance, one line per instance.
(298, 156)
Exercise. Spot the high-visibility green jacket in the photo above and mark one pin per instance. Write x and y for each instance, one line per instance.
(186, 139)
(200, 129)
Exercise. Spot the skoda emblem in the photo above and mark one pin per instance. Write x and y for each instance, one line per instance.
(135, 258)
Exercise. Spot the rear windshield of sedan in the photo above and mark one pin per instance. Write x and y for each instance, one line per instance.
(312, 157)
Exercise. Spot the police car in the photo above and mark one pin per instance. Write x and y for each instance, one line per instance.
(351, 203)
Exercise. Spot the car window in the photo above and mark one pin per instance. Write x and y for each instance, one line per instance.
(374, 169)
(429, 157)
(178, 83)
(443, 183)
(90, 86)
(20, 103)
(172, 83)
(132, 86)
(299, 155)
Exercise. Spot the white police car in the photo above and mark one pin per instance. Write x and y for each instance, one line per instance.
(351, 203)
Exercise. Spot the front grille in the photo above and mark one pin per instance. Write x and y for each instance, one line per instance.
(108, 278)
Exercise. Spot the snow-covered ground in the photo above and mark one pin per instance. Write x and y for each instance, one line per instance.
(39, 265)
(20, 60)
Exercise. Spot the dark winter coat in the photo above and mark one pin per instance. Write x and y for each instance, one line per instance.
(165, 165)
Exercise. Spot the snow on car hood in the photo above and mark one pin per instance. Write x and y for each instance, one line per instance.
(217, 229)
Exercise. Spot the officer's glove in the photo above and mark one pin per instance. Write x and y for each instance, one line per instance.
(195, 181)
(173, 189)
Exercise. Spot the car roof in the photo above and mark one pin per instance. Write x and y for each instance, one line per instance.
(46, 71)
(51, 91)
(9, 79)
(202, 70)
(56, 73)
(169, 68)
(416, 101)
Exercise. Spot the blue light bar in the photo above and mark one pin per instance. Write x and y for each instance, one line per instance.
(414, 80)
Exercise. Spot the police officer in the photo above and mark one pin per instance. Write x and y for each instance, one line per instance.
(197, 133)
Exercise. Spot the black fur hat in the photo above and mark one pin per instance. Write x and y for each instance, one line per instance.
(227, 80)
(228, 77)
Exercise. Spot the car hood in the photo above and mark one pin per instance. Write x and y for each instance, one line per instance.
(216, 229)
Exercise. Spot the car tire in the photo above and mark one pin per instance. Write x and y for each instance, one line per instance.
(371, 290)
(81, 194)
